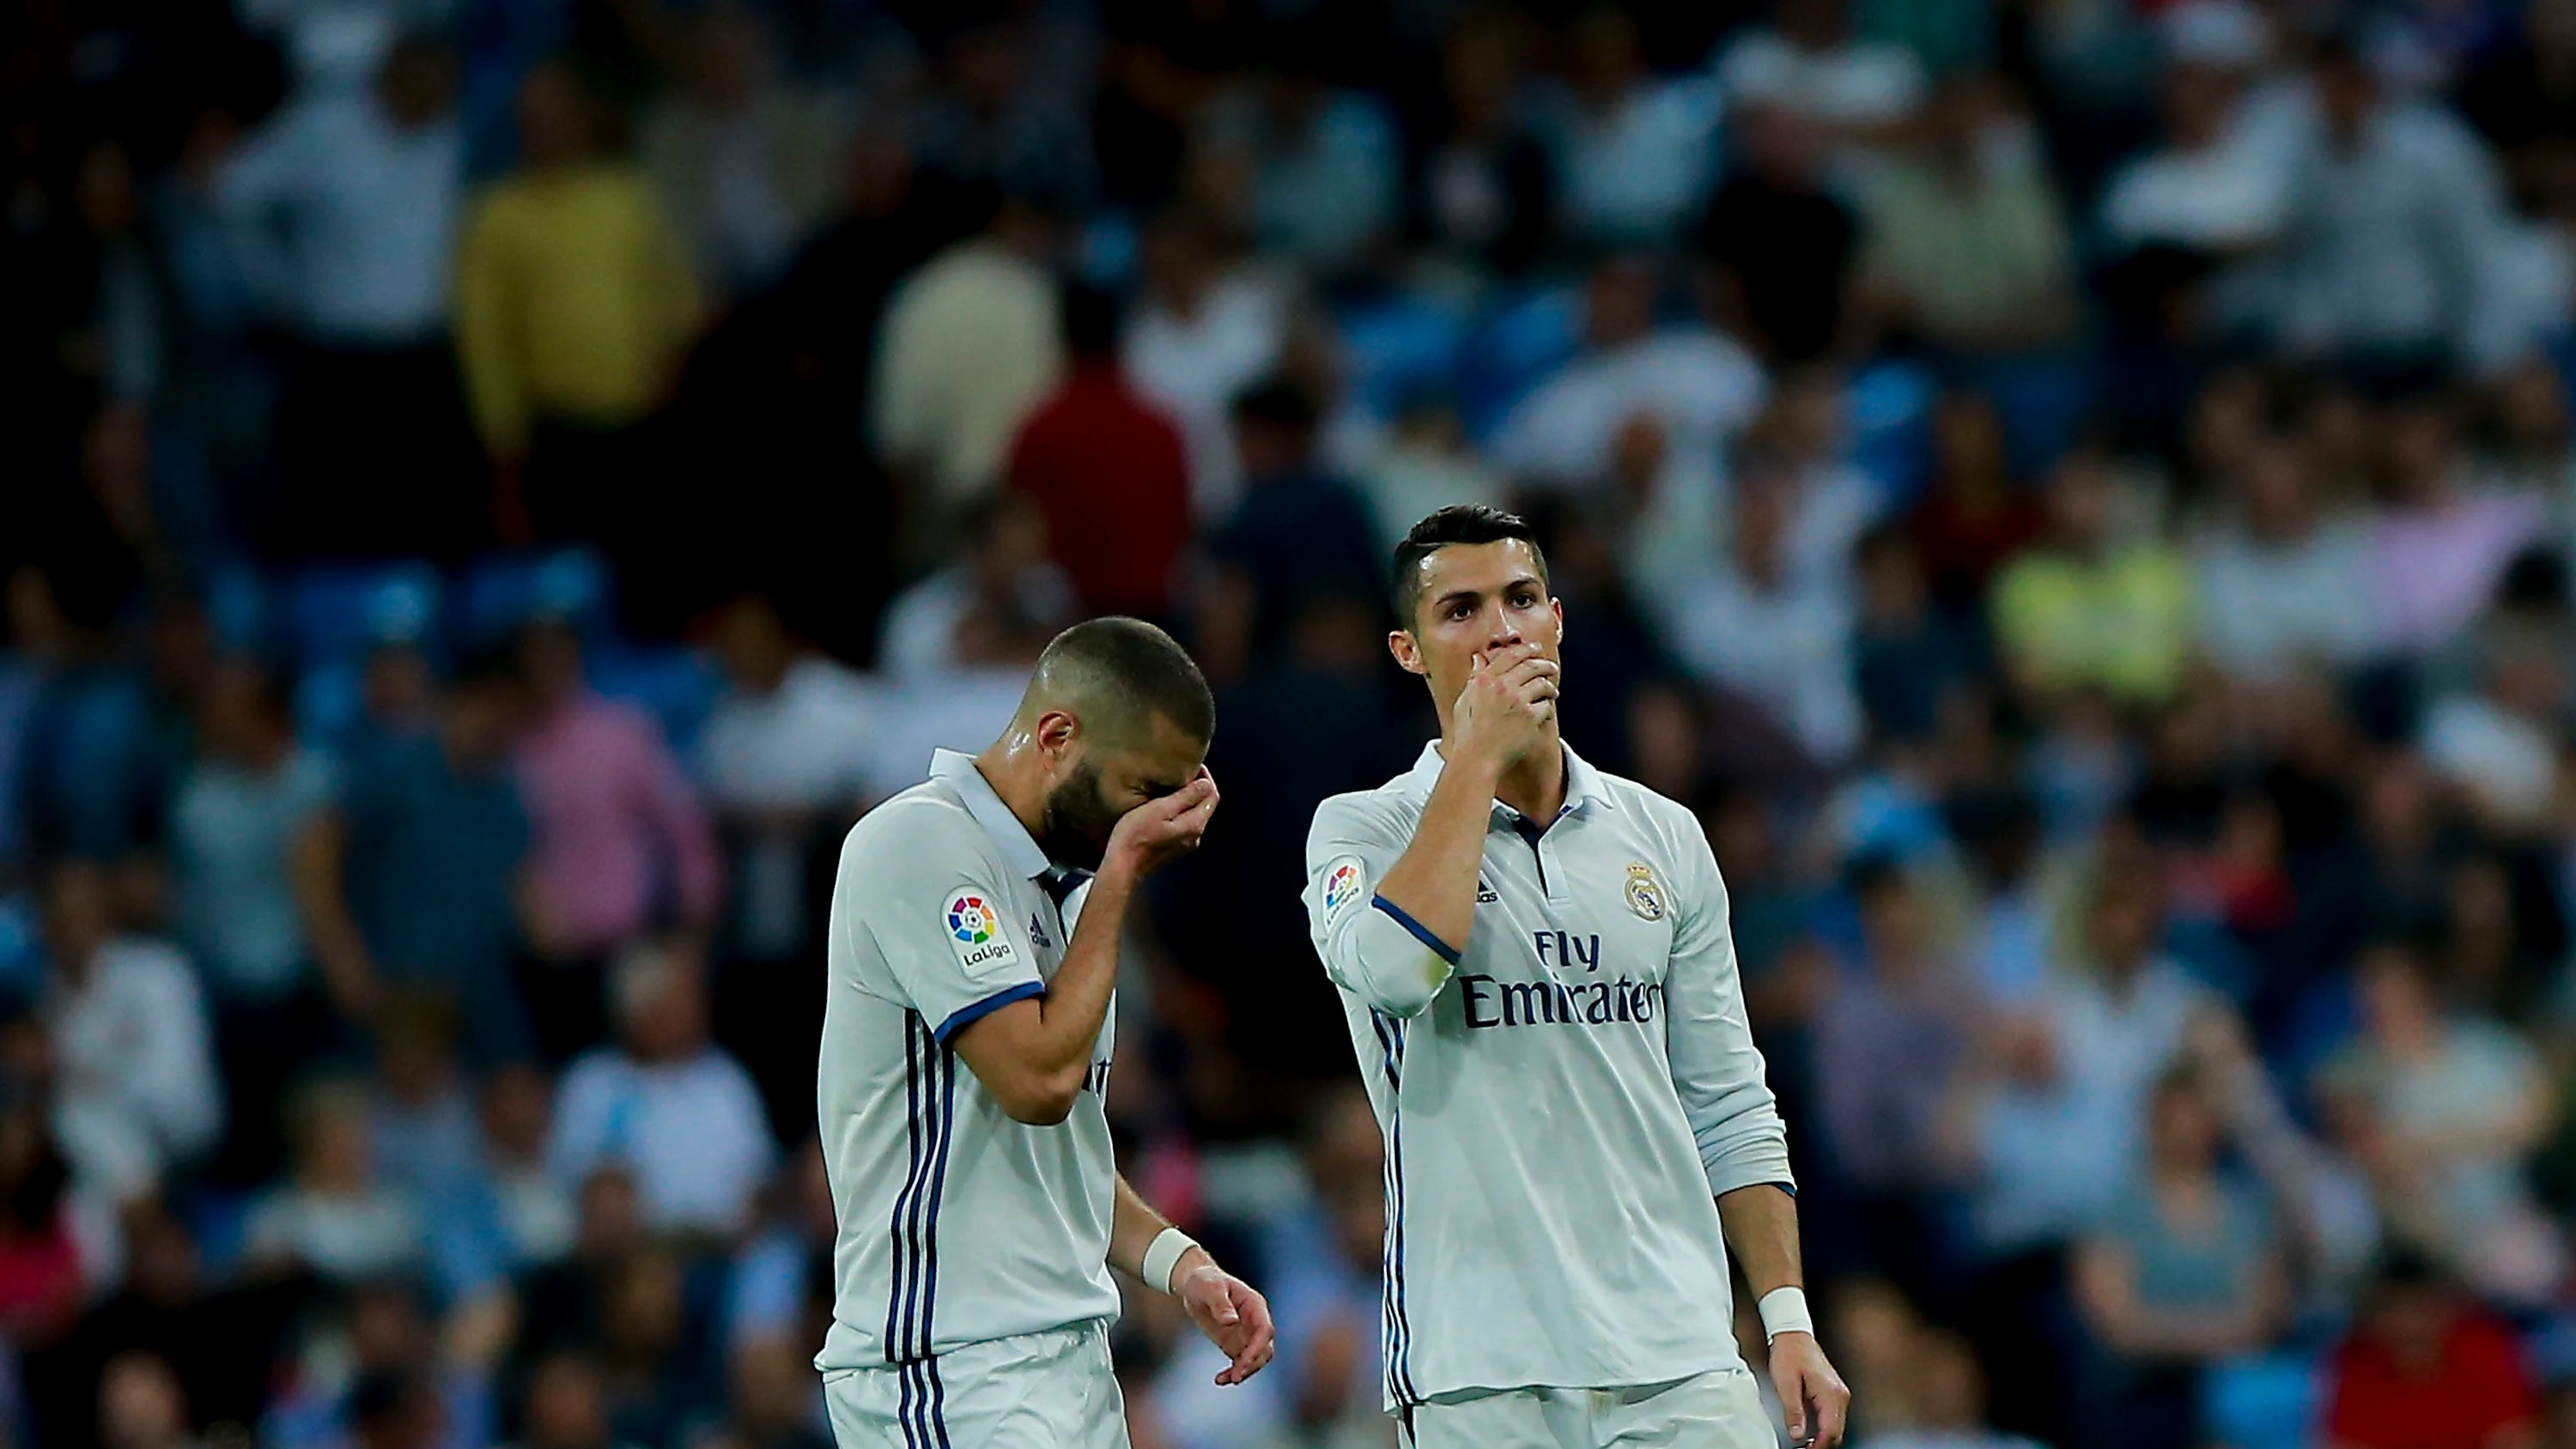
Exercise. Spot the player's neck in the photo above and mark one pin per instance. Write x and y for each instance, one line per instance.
(1010, 766)
(1535, 784)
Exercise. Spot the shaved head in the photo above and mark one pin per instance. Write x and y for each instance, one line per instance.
(1118, 676)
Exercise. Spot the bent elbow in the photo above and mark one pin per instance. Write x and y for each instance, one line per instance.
(1041, 1101)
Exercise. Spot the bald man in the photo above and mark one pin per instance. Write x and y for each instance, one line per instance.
(976, 919)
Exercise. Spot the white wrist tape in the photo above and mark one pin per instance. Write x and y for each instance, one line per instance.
(1163, 1255)
(1784, 1310)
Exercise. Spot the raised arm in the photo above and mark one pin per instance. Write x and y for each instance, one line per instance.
(1031, 1045)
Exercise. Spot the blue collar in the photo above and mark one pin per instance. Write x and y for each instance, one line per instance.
(1583, 784)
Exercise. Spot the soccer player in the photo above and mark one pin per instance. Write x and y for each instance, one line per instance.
(976, 920)
(1535, 961)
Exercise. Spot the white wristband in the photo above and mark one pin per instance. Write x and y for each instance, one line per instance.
(1163, 1255)
(1784, 1310)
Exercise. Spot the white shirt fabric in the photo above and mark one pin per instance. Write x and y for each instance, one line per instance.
(970, 346)
(1787, 649)
(2221, 198)
(2268, 607)
(803, 745)
(1643, 166)
(1858, 83)
(693, 1132)
(135, 1087)
(347, 221)
(2506, 760)
(1701, 386)
(1194, 366)
(958, 1225)
(1563, 1099)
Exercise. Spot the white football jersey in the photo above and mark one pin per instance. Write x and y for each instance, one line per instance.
(1563, 1098)
(957, 1224)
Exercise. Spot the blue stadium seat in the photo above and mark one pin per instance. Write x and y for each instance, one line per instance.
(499, 594)
(2271, 1400)
(338, 612)
(1521, 343)
(675, 684)
(1401, 349)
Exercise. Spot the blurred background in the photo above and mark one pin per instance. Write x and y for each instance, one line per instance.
(2077, 494)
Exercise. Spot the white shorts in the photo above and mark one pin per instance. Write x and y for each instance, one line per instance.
(1051, 1390)
(1721, 1409)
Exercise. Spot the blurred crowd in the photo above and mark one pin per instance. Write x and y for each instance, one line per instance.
(2079, 495)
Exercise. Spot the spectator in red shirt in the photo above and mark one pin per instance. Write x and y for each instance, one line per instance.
(2425, 1369)
(1108, 470)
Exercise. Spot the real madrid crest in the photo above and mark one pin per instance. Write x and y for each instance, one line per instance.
(1645, 897)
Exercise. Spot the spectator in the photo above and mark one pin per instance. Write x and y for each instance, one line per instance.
(1010, 102)
(1911, 665)
(1323, 160)
(562, 1303)
(2392, 231)
(1299, 534)
(135, 1094)
(142, 1406)
(1481, 192)
(1782, 243)
(2441, 545)
(968, 348)
(334, 1216)
(2204, 191)
(533, 1212)
(343, 211)
(392, 1409)
(574, 303)
(1697, 387)
(1203, 331)
(2280, 586)
(656, 1377)
(1110, 472)
(1635, 154)
(88, 769)
(1427, 464)
(773, 1401)
(2499, 744)
(1860, 92)
(567, 1406)
(1968, 245)
(679, 1111)
(46, 1273)
(2423, 1369)
(620, 844)
(233, 826)
(1974, 518)
(413, 877)
(2088, 609)
(421, 1120)
(783, 1273)
(1757, 626)
(2456, 1107)
(747, 161)
(1894, 1031)
(996, 608)
(2184, 1271)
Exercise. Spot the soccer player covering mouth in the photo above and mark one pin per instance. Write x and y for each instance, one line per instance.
(1541, 986)
(966, 1042)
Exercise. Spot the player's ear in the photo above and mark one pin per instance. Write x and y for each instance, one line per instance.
(1057, 733)
(1406, 649)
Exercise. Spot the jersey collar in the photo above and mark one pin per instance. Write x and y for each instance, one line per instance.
(1584, 786)
(1019, 849)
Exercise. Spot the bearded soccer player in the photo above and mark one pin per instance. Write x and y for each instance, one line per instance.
(976, 921)
(1541, 986)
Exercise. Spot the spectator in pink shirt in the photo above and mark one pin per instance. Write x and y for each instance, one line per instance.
(2442, 545)
(623, 848)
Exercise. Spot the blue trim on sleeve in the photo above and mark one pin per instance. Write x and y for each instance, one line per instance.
(966, 1016)
(1790, 1188)
(1421, 933)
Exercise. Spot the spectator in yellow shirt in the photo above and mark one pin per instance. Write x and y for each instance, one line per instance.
(574, 306)
(2086, 610)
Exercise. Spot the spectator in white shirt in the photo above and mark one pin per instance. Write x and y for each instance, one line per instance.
(2203, 190)
(2500, 744)
(1861, 92)
(1635, 156)
(678, 1111)
(333, 1214)
(2279, 585)
(135, 1088)
(1754, 624)
(996, 608)
(1201, 333)
(343, 210)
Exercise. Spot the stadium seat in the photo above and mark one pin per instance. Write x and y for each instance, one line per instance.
(336, 613)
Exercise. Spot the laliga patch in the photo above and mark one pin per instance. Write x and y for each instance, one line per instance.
(1344, 887)
(975, 933)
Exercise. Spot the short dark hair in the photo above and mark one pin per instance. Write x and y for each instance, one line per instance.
(1467, 523)
(1121, 673)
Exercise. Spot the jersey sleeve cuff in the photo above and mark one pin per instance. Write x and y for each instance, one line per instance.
(966, 1016)
(1420, 932)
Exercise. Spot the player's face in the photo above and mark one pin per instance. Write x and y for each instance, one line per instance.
(1476, 598)
(1101, 784)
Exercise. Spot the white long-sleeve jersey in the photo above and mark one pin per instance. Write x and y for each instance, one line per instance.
(1564, 1096)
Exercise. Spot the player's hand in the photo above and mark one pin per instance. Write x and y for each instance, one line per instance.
(1503, 711)
(1234, 1317)
(1161, 831)
(1812, 1395)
